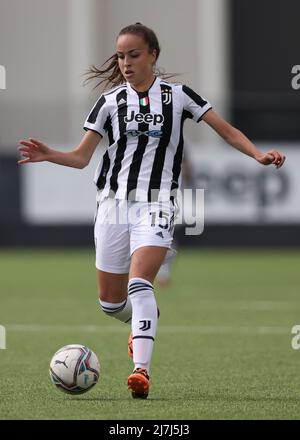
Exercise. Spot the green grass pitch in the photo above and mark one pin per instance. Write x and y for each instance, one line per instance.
(223, 347)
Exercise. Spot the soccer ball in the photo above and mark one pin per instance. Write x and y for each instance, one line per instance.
(74, 369)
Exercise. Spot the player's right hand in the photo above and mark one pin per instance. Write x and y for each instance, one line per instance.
(33, 151)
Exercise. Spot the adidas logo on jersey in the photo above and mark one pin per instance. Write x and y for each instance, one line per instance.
(148, 118)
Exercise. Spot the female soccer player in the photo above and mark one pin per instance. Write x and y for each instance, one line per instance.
(143, 116)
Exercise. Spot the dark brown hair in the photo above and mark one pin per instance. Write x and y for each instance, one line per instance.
(109, 72)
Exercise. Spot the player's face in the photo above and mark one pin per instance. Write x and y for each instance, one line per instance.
(135, 61)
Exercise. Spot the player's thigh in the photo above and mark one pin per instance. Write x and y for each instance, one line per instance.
(146, 261)
(151, 238)
(112, 242)
(112, 287)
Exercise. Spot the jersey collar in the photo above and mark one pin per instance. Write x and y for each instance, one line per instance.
(153, 85)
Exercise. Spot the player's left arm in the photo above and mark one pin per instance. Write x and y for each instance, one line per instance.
(238, 140)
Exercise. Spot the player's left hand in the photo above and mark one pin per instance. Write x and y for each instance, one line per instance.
(271, 157)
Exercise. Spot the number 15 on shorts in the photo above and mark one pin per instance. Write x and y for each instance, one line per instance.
(164, 220)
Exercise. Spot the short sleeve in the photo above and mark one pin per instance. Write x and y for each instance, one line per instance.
(194, 104)
(97, 117)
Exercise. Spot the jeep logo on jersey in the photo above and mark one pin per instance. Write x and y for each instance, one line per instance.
(148, 118)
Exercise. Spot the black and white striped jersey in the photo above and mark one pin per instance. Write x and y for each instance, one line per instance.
(145, 134)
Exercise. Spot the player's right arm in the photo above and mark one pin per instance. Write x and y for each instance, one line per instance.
(35, 151)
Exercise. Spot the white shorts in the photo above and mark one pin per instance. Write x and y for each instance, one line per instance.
(122, 226)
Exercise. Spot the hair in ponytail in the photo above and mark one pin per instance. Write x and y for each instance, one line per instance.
(109, 72)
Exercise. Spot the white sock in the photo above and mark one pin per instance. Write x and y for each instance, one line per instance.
(121, 311)
(144, 321)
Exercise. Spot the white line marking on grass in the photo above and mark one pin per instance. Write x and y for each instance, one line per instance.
(222, 304)
(259, 305)
(261, 330)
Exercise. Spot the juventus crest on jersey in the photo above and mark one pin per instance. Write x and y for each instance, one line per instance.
(145, 135)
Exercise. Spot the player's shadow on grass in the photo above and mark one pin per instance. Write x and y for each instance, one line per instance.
(98, 399)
